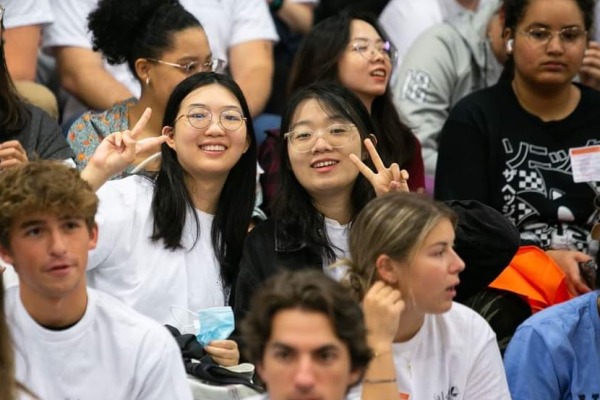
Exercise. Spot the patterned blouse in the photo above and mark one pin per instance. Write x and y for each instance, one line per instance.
(87, 131)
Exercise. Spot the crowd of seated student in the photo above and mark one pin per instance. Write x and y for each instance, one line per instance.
(175, 233)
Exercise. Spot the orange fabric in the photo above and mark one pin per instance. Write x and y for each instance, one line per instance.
(533, 275)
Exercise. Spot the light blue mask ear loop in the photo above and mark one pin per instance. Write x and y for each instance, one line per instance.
(141, 165)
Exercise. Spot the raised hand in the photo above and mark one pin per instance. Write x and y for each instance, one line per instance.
(382, 307)
(12, 154)
(589, 72)
(117, 151)
(385, 179)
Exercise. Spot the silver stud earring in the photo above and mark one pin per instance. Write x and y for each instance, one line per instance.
(147, 81)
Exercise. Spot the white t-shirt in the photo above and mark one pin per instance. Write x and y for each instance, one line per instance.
(26, 12)
(142, 273)
(454, 356)
(338, 236)
(226, 22)
(111, 353)
(404, 20)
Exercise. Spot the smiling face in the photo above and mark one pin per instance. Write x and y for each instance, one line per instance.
(556, 62)
(430, 279)
(211, 151)
(190, 44)
(50, 254)
(304, 359)
(366, 76)
(324, 171)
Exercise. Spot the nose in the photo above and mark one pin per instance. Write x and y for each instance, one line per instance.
(457, 264)
(321, 144)
(214, 128)
(57, 243)
(376, 54)
(555, 44)
(304, 379)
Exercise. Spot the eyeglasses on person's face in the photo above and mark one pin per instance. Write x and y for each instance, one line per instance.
(214, 65)
(201, 117)
(337, 135)
(369, 49)
(542, 36)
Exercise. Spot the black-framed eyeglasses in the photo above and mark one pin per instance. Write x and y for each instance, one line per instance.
(368, 49)
(200, 117)
(337, 135)
(214, 65)
(542, 36)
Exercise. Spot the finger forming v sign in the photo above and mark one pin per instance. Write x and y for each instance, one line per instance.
(385, 179)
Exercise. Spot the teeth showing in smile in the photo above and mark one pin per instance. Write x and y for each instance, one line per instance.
(322, 164)
(378, 73)
(213, 147)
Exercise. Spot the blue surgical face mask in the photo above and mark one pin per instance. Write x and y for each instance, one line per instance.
(215, 323)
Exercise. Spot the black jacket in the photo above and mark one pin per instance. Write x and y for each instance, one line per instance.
(485, 240)
(267, 249)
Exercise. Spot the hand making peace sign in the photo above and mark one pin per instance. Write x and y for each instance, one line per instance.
(385, 179)
(117, 151)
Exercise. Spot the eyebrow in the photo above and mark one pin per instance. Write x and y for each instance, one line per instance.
(227, 107)
(332, 118)
(36, 222)
(546, 26)
(368, 39)
(325, 347)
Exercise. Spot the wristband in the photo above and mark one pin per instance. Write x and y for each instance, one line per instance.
(375, 381)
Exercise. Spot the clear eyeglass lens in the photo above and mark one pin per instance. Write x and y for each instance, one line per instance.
(368, 49)
(337, 135)
(217, 65)
(201, 117)
(191, 67)
(567, 35)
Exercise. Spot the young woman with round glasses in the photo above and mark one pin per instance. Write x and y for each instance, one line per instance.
(352, 51)
(329, 170)
(167, 44)
(509, 145)
(174, 241)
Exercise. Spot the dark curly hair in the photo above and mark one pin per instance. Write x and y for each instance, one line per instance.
(310, 291)
(127, 30)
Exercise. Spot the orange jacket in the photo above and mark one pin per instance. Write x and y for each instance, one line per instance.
(534, 276)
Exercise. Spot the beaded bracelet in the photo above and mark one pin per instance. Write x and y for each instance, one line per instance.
(374, 381)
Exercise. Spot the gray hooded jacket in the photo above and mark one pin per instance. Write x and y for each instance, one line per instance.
(447, 62)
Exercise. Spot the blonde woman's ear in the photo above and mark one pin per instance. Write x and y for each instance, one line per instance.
(386, 269)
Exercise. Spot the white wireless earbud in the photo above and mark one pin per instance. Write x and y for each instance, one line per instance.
(509, 45)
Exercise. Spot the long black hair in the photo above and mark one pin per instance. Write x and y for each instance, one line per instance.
(14, 116)
(317, 59)
(172, 202)
(294, 208)
(125, 31)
